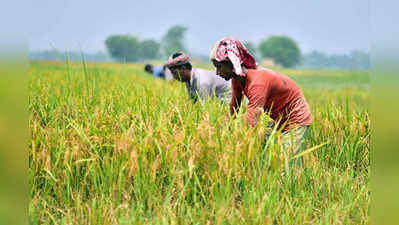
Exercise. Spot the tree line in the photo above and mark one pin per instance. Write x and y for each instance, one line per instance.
(357, 59)
(128, 48)
(282, 50)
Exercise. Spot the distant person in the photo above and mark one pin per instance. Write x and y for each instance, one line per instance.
(199, 82)
(266, 91)
(157, 71)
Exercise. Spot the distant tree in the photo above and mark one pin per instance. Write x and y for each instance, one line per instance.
(251, 48)
(360, 59)
(315, 59)
(173, 41)
(283, 50)
(123, 47)
(356, 59)
(149, 49)
(130, 49)
(70, 55)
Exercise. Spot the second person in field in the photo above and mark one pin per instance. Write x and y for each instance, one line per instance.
(199, 82)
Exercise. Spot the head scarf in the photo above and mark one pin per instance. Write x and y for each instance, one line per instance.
(232, 49)
(180, 60)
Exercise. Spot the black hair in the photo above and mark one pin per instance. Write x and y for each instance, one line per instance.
(176, 55)
(148, 67)
(187, 65)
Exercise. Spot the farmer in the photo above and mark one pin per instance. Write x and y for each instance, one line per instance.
(199, 82)
(267, 91)
(157, 71)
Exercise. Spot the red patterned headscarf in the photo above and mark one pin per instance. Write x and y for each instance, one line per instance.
(180, 60)
(232, 49)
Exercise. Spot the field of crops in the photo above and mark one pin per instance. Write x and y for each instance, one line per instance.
(110, 144)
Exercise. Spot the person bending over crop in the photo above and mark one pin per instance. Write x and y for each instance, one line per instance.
(199, 82)
(266, 90)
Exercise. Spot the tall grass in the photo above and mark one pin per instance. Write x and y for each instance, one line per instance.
(111, 145)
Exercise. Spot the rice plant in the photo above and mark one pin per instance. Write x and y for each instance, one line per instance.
(112, 145)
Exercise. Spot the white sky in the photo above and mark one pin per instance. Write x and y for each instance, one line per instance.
(332, 26)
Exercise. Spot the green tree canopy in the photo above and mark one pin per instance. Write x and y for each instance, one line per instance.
(149, 49)
(123, 47)
(283, 50)
(173, 41)
(130, 49)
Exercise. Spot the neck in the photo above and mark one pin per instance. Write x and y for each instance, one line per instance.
(244, 70)
(242, 79)
(189, 74)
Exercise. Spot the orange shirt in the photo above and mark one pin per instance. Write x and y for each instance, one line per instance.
(272, 91)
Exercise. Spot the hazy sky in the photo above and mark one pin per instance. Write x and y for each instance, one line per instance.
(333, 26)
